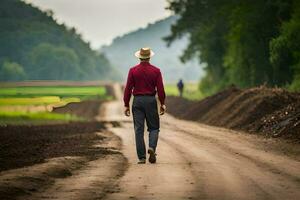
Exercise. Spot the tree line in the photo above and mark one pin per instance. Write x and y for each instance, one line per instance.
(33, 46)
(242, 42)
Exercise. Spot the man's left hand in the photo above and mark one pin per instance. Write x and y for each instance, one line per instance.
(163, 109)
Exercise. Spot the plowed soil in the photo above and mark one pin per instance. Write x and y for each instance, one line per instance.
(33, 158)
(27, 145)
(272, 112)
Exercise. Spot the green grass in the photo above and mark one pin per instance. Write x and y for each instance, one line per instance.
(191, 91)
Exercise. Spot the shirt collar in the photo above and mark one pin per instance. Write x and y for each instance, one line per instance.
(144, 63)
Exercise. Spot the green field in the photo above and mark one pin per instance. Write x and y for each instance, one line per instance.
(46, 100)
(191, 91)
(82, 92)
(32, 104)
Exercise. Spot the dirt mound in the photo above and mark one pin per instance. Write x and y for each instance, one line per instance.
(86, 109)
(283, 122)
(270, 111)
(194, 110)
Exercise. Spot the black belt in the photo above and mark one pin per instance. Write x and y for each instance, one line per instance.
(145, 95)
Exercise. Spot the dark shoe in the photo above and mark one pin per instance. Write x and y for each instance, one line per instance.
(142, 161)
(152, 158)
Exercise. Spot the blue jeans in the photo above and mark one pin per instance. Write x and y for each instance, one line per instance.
(144, 108)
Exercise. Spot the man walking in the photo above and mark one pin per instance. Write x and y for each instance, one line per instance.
(180, 86)
(144, 81)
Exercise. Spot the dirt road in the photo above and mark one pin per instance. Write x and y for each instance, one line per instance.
(202, 162)
(195, 161)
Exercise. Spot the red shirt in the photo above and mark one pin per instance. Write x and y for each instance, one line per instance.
(144, 79)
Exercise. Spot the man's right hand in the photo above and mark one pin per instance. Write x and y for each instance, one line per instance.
(163, 109)
(127, 111)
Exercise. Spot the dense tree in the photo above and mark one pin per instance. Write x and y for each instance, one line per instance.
(285, 51)
(54, 63)
(242, 42)
(45, 49)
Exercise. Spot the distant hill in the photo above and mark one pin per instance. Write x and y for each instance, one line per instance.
(120, 52)
(33, 46)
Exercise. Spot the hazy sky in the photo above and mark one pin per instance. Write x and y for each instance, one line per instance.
(99, 21)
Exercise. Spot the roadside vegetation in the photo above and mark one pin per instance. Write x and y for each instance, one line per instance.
(34, 104)
(245, 43)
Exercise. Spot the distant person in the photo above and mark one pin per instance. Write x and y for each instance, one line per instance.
(180, 87)
(144, 81)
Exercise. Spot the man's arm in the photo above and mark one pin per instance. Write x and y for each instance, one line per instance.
(128, 91)
(161, 93)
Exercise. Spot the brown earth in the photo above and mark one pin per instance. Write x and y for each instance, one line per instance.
(272, 112)
(27, 145)
(34, 157)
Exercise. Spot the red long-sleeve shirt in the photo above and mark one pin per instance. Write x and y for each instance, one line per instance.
(144, 79)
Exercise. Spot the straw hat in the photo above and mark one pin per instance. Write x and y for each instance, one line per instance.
(144, 53)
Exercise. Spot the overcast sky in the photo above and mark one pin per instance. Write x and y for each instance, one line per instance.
(99, 21)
